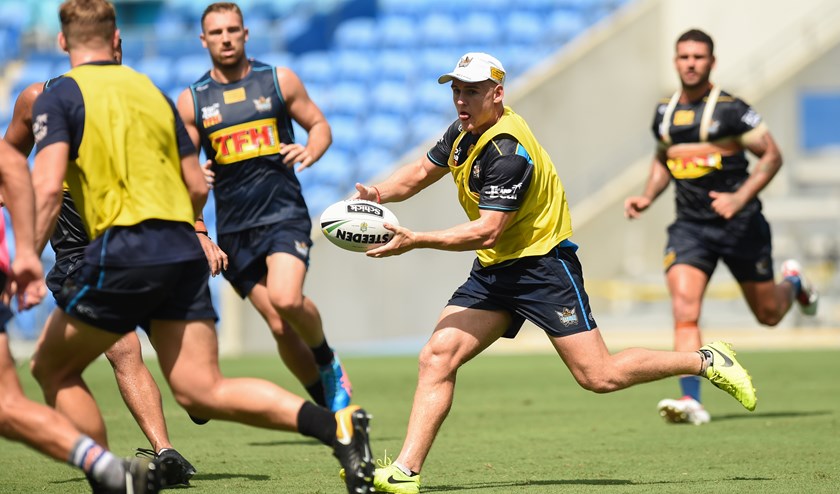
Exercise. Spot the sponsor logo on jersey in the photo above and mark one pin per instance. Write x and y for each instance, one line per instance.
(694, 166)
(234, 95)
(751, 118)
(262, 104)
(683, 117)
(211, 115)
(245, 141)
(568, 316)
(39, 127)
(511, 193)
(202, 87)
(366, 209)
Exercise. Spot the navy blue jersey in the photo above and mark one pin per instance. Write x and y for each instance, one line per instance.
(706, 159)
(502, 165)
(244, 126)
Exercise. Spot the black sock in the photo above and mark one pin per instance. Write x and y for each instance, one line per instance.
(316, 391)
(323, 354)
(317, 422)
(707, 358)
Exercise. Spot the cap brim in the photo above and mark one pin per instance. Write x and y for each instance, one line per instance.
(450, 76)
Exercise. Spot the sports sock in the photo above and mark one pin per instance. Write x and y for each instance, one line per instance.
(690, 386)
(796, 281)
(323, 354)
(98, 463)
(404, 469)
(706, 359)
(316, 391)
(317, 422)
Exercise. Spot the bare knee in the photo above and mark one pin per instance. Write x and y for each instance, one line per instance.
(287, 303)
(437, 361)
(768, 317)
(598, 379)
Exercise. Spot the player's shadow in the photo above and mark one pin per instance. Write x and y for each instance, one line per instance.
(771, 415)
(550, 483)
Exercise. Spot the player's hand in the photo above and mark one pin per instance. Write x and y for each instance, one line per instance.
(28, 280)
(295, 153)
(216, 257)
(209, 175)
(726, 204)
(403, 241)
(634, 206)
(365, 193)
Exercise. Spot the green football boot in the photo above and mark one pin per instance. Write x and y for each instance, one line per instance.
(727, 374)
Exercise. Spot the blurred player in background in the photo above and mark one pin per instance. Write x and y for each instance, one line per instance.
(703, 134)
(69, 239)
(241, 113)
(526, 267)
(33, 424)
(134, 176)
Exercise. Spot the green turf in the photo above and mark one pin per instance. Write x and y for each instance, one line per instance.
(519, 424)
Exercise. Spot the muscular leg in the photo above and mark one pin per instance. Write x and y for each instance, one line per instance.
(460, 335)
(294, 352)
(36, 425)
(687, 284)
(284, 283)
(66, 347)
(769, 301)
(139, 390)
(595, 369)
(192, 371)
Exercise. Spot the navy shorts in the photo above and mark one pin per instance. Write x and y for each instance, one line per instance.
(248, 249)
(63, 268)
(546, 290)
(118, 299)
(744, 245)
(6, 313)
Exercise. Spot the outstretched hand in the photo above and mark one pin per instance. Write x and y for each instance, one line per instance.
(365, 193)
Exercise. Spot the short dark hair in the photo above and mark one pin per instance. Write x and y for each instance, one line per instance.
(700, 37)
(221, 7)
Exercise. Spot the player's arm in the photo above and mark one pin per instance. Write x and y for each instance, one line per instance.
(407, 181)
(16, 185)
(306, 113)
(47, 180)
(759, 142)
(657, 181)
(19, 132)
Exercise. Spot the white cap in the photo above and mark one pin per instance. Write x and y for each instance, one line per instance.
(476, 67)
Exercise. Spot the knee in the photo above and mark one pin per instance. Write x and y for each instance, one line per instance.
(596, 381)
(435, 360)
(39, 371)
(768, 317)
(286, 303)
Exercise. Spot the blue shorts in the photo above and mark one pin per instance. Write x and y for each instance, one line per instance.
(546, 290)
(6, 313)
(248, 249)
(744, 244)
(118, 299)
(63, 268)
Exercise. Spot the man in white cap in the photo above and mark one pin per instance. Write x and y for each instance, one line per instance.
(526, 267)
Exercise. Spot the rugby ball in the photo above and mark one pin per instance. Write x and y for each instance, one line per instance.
(357, 225)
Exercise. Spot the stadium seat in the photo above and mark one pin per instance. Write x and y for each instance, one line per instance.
(355, 65)
(319, 196)
(396, 65)
(347, 134)
(523, 27)
(351, 98)
(315, 67)
(372, 162)
(433, 97)
(273, 58)
(563, 25)
(159, 69)
(357, 33)
(392, 98)
(427, 126)
(479, 29)
(389, 132)
(34, 71)
(438, 30)
(336, 169)
(397, 32)
(188, 68)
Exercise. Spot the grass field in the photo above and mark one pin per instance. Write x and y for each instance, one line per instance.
(519, 424)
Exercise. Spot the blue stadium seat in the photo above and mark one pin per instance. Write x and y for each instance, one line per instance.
(34, 71)
(356, 33)
(392, 98)
(347, 134)
(563, 25)
(355, 65)
(188, 68)
(159, 69)
(479, 29)
(336, 168)
(433, 97)
(437, 61)
(397, 31)
(389, 132)
(523, 27)
(438, 30)
(315, 67)
(320, 196)
(428, 126)
(274, 58)
(351, 98)
(373, 162)
(396, 65)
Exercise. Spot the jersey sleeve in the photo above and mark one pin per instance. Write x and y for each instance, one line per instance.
(54, 112)
(185, 144)
(439, 154)
(507, 176)
(743, 117)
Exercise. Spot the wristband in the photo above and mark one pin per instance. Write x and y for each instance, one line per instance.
(378, 196)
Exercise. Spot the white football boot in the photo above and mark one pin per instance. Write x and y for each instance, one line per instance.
(808, 297)
(683, 411)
